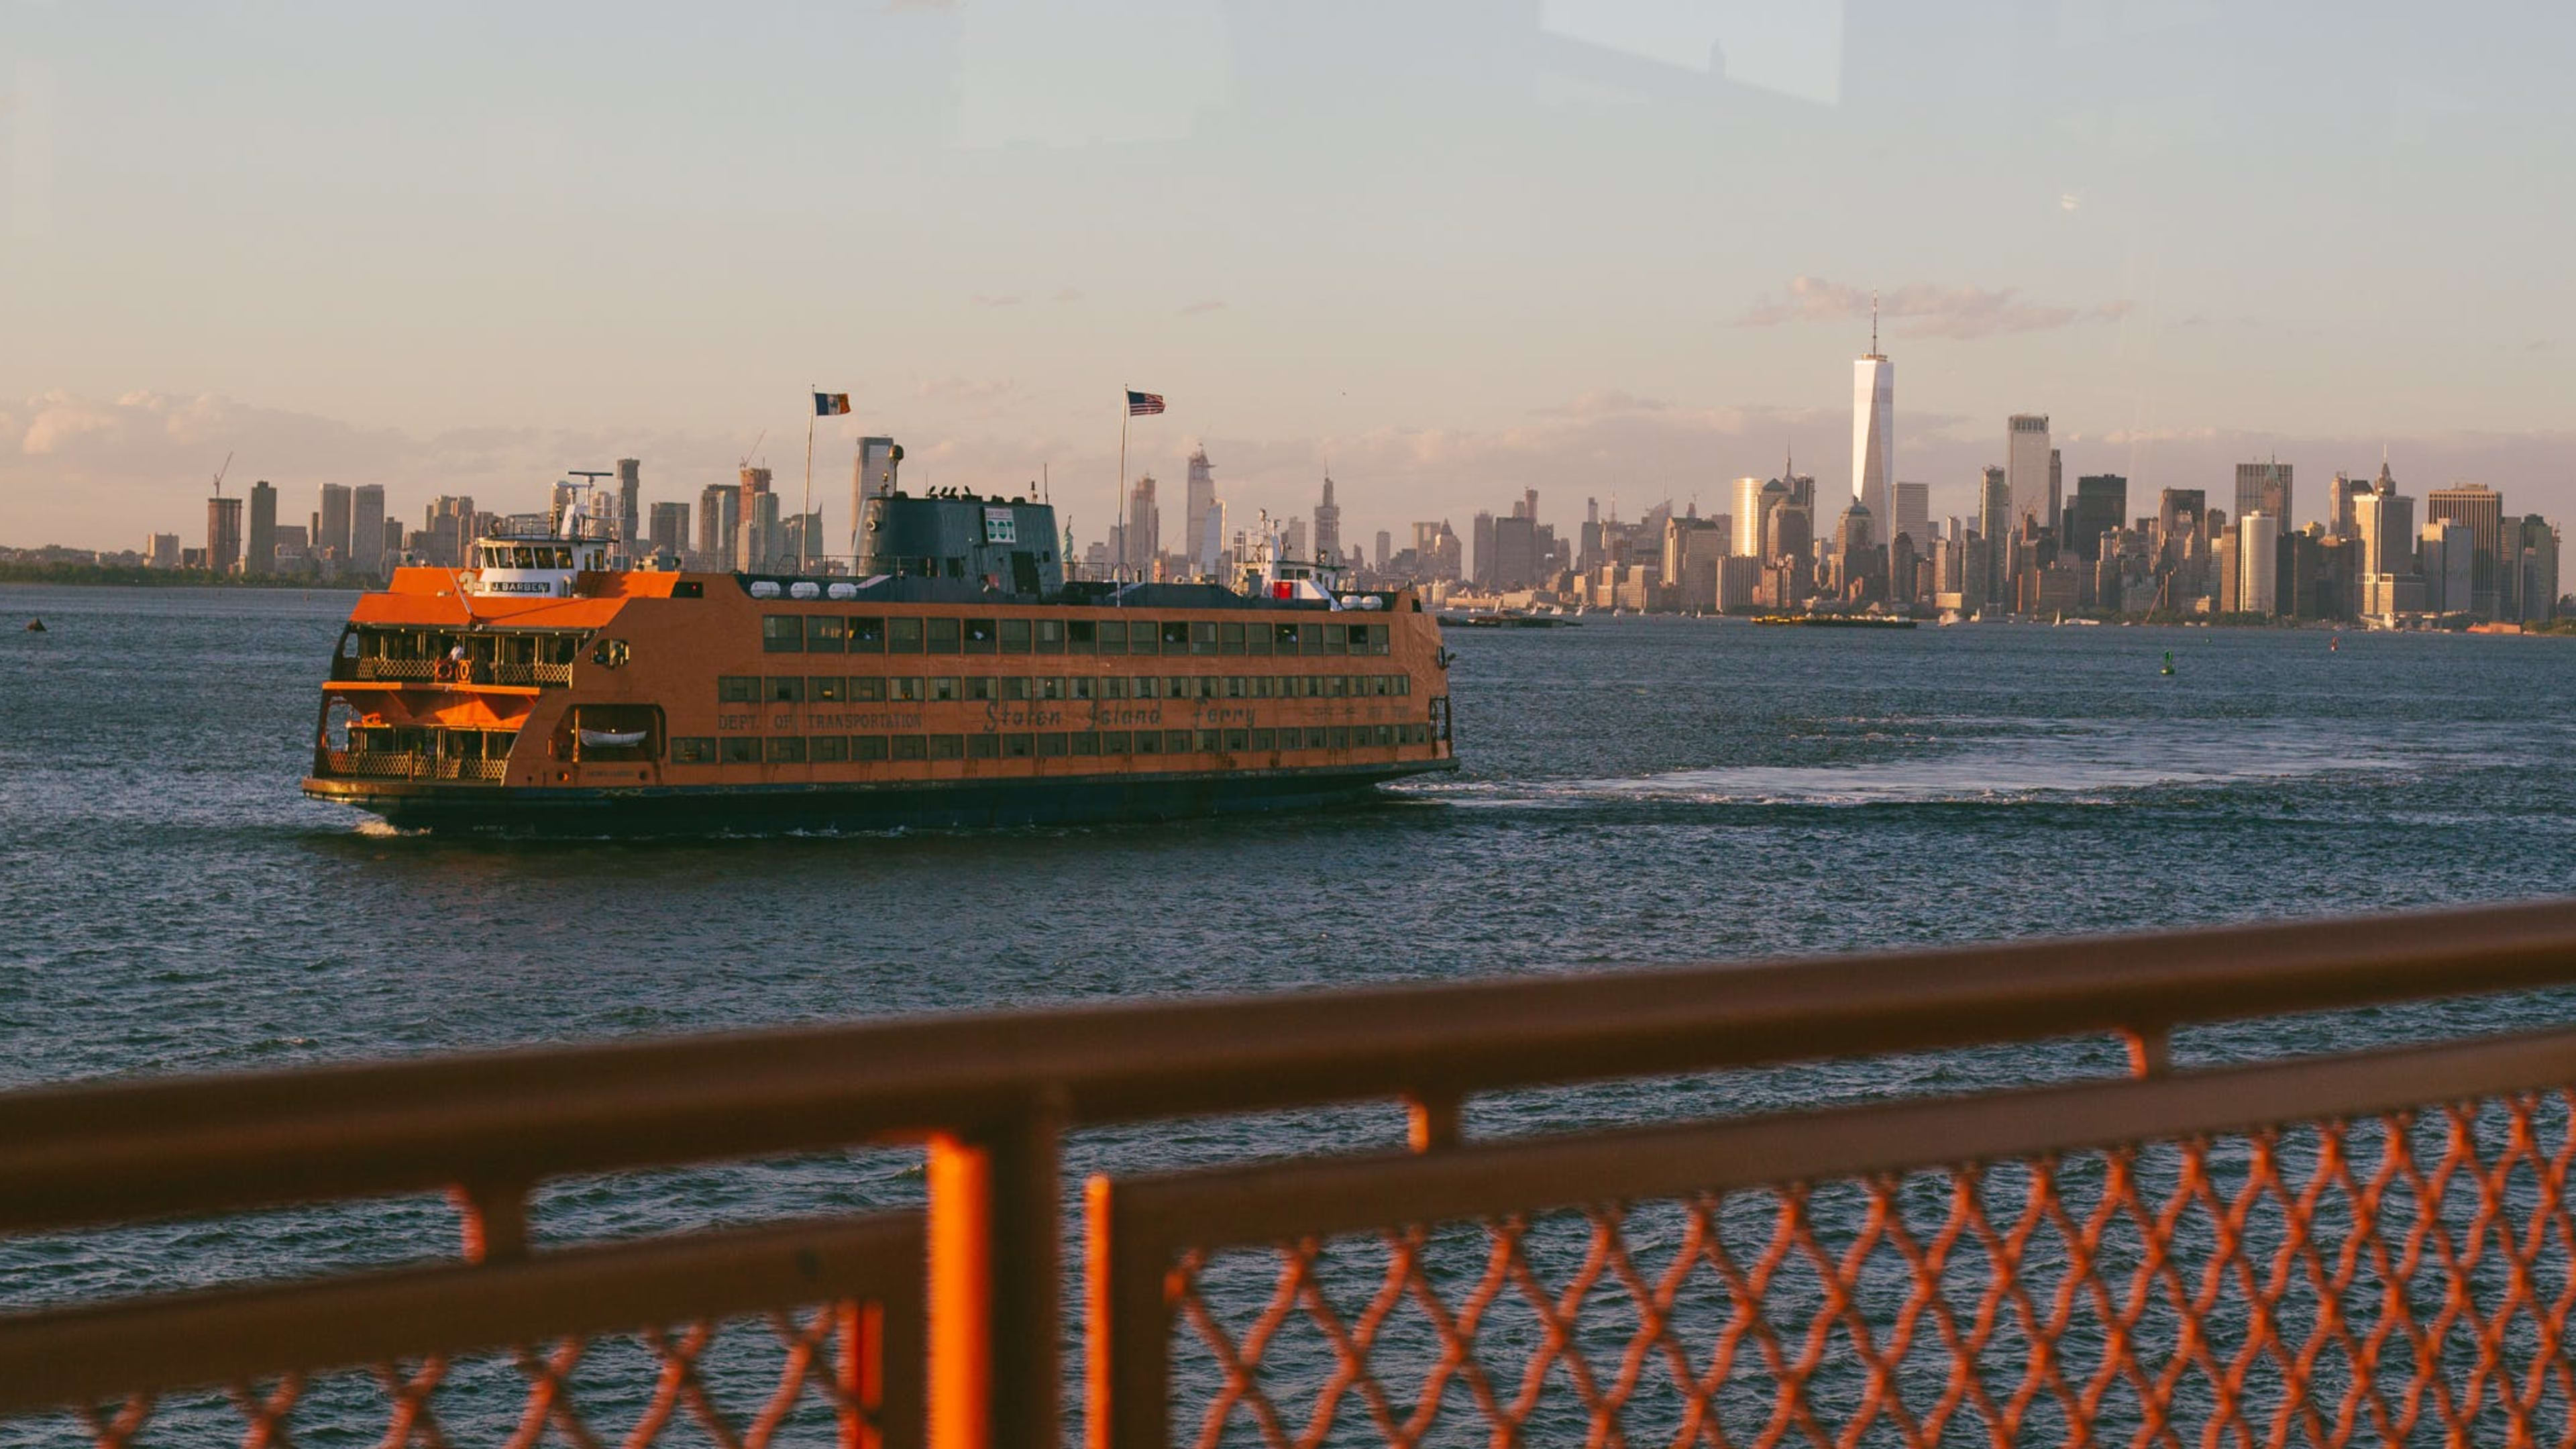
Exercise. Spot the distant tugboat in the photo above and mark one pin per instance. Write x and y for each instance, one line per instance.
(35, 626)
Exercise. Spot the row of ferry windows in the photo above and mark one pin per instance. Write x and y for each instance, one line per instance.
(832, 634)
(834, 689)
(834, 749)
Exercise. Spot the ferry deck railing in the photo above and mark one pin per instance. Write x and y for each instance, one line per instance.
(2368, 1245)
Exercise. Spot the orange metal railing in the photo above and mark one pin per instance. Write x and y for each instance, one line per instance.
(2366, 1246)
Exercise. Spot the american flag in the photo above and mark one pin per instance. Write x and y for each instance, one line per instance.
(1142, 404)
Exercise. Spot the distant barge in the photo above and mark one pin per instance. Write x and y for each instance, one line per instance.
(1835, 621)
(1506, 621)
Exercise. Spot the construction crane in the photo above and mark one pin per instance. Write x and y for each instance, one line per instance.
(220, 472)
(754, 448)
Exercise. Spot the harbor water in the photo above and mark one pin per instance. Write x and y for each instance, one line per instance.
(1635, 792)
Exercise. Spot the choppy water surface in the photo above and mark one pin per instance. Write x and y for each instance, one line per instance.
(1635, 792)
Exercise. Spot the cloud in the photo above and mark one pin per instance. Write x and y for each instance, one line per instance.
(997, 299)
(1206, 305)
(963, 389)
(1922, 309)
(1069, 294)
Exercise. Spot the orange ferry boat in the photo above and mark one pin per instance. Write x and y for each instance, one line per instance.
(955, 679)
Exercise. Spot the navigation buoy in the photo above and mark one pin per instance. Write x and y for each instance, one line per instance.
(35, 626)
(2168, 669)
(2335, 645)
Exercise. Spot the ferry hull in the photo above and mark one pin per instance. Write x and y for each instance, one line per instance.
(945, 804)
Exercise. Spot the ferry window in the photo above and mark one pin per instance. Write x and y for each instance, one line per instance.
(981, 634)
(782, 633)
(980, 687)
(1386, 734)
(1114, 687)
(1050, 633)
(1310, 638)
(1113, 635)
(1081, 636)
(787, 749)
(1203, 638)
(1053, 745)
(563, 558)
(1380, 684)
(939, 636)
(948, 747)
(943, 688)
(1337, 639)
(903, 636)
(826, 688)
(825, 635)
(1378, 638)
(1176, 637)
(1256, 638)
(1015, 636)
(741, 749)
(1238, 739)
(1235, 686)
(694, 750)
(737, 688)
(827, 749)
(1318, 738)
(689, 589)
(1265, 740)
(1082, 686)
(785, 689)
(912, 747)
(1113, 742)
(983, 747)
(1149, 742)
(1404, 684)
(867, 636)
(1341, 737)
(1229, 638)
(867, 747)
(1176, 742)
(1148, 687)
(909, 691)
(1177, 687)
(1083, 742)
(1286, 637)
(1334, 686)
(1015, 686)
(1019, 747)
(1050, 688)
(867, 686)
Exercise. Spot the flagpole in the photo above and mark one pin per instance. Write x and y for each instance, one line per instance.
(1126, 410)
(805, 513)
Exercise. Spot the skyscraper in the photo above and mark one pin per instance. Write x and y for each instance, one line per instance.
(1874, 426)
(1328, 527)
(2482, 509)
(1199, 499)
(2026, 469)
(1994, 522)
(669, 531)
(630, 504)
(1385, 549)
(1143, 541)
(263, 530)
(331, 521)
(2448, 560)
(2264, 488)
(2258, 552)
(2341, 495)
(753, 538)
(2101, 506)
(719, 508)
(223, 534)
(367, 528)
(1913, 515)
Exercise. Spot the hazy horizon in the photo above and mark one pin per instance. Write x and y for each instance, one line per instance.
(1602, 250)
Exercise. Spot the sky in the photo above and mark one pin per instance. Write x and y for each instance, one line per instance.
(1609, 249)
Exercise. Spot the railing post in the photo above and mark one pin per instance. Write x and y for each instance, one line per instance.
(496, 1220)
(1127, 1326)
(1431, 1120)
(993, 1282)
(2150, 1051)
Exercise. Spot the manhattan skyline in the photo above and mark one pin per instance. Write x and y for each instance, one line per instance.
(1581, 250)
